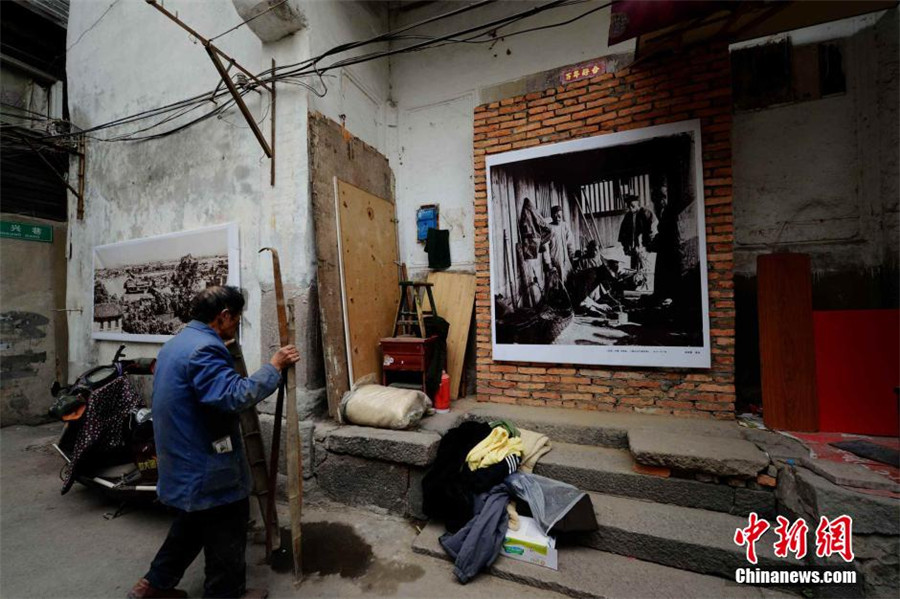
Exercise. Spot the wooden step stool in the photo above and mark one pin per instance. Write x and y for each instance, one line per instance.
(410, 320)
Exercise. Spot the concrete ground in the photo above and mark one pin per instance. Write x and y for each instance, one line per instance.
(63, 546)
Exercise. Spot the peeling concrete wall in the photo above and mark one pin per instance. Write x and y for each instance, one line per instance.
(135, 59)
(821, 177)
(32, 334)
(436, 91)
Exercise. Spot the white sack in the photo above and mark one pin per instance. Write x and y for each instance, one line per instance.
(384, 407)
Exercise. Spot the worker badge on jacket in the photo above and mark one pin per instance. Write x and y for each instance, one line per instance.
(223, 445)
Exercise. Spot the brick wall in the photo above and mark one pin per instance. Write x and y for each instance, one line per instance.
(694, 84)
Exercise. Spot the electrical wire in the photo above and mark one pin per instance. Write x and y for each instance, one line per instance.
(420, 45)
(242, 23)
(97, 22)
(531, 29)
(294, 74)
(23, 109)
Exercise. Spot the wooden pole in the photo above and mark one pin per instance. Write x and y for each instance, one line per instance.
(294, 457)
(293, 451)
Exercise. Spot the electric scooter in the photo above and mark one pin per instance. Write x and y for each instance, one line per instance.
(126, 472)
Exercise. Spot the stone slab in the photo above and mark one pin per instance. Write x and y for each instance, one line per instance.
(850, 475)
(404, 447)
(608, 470)
(311, 403)
(753, 500)
(585, 573)
(777, 445)
(307, 448)
(566, 428)
(872, 514)
(586, 427)
(414, 496)
(441, 423)
(365, 482)
(686, 538)
(713, 455)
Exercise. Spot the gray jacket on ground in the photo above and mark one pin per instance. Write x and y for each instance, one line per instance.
(476, 545)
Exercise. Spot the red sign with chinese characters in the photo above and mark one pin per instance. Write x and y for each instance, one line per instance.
(582, 71)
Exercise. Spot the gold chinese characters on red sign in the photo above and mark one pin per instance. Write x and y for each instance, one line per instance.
(583, 71)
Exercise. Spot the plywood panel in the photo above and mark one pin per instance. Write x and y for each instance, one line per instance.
(368, 263)
(454, 294)
(333, 152)
(786, 345)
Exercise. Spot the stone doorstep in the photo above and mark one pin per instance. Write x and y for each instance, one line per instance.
(719, 456)
(405, 447)
(586, 573)
(589, 427)
(609, 471)
(687, 538)
(714, 448)
(700, 446)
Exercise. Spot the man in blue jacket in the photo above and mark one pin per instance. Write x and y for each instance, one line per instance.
(202, 470)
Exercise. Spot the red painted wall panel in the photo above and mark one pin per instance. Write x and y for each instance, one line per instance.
(857, 369)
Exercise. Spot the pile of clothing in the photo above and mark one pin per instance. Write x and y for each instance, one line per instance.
(479, 472)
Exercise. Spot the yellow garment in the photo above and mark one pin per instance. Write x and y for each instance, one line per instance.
(534, 446)
(493, 449)
(513, 515)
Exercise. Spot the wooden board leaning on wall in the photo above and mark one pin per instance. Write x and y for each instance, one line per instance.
(369, 278)
(454, 294)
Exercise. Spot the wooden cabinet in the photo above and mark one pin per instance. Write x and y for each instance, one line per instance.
(406, 354)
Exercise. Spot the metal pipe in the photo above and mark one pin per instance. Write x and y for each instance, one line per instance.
(64, 456)
(238, 100)
(272, 108)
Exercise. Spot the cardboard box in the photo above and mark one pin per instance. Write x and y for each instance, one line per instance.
(529, 544)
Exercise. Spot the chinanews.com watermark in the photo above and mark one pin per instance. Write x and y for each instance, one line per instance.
(833, 537)
(794, 577)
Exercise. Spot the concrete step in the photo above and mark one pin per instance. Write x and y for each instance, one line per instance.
(611, 471)
(711, 447)
(701, 541)
(587, 427)
(720, 456)
(405, 447)
(586, 573)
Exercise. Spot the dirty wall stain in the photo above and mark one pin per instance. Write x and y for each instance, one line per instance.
(19, 326)
(19, 366)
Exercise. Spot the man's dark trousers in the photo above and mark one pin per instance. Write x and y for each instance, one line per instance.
(222, 534)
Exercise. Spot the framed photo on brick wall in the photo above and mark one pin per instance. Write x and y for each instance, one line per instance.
(598, 250)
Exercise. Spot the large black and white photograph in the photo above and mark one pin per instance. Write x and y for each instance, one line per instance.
(598, 252)
(143, 287)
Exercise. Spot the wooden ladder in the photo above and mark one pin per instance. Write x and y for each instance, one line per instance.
(254, 447)
(410, 320)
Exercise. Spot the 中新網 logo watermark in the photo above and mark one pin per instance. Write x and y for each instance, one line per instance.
(832, 537)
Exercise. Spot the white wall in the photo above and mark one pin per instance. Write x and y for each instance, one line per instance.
(358, 93)
(135, 59)
(436, 91)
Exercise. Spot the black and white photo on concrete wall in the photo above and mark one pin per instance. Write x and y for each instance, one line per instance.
(143, 287)
(598, 251)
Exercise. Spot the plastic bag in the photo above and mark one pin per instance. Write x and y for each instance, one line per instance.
(553, 503)
(384, 407)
